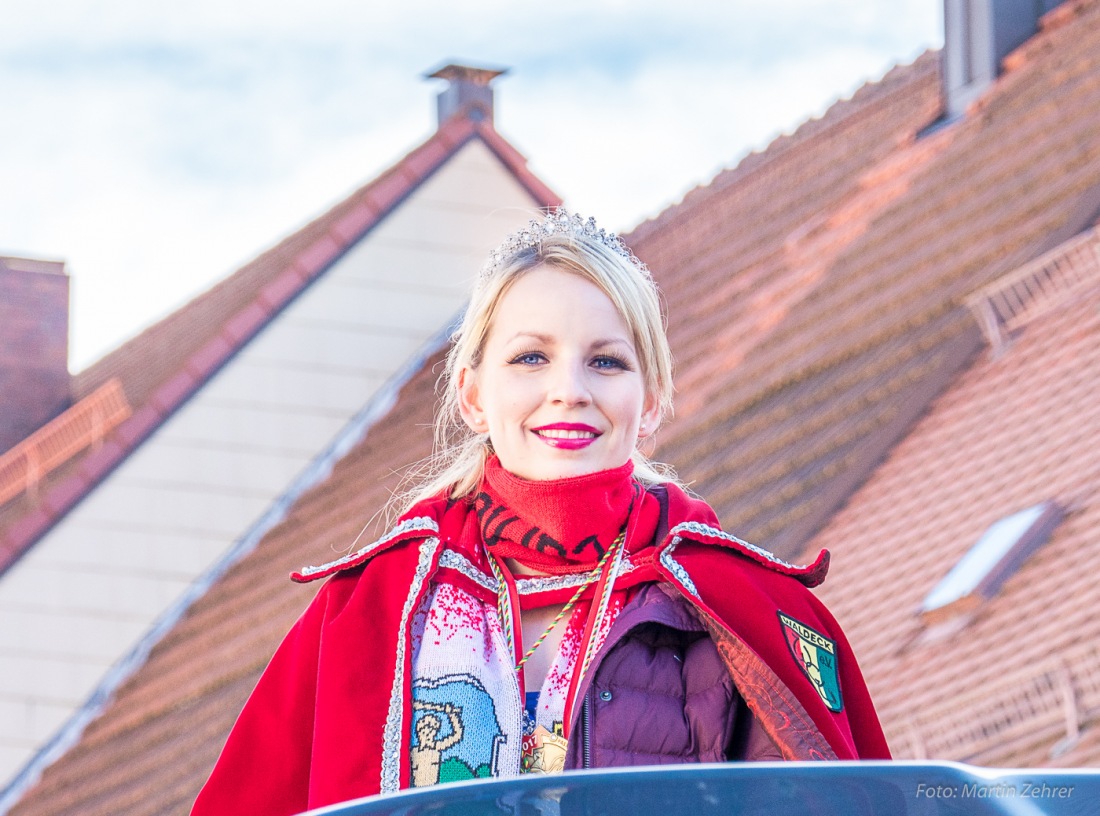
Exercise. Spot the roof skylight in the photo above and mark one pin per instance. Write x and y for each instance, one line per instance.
(999, 552)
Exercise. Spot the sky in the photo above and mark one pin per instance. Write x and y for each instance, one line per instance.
(157, 146)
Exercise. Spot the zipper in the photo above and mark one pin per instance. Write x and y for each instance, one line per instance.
(586, 744)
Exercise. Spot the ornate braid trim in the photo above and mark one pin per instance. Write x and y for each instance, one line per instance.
(460, 563)
(810, 574)
(532, 586)
(525, 586)
(676, 568)
(420, 524)
(391, 733)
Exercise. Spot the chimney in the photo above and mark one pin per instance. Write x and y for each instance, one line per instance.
(978, 34)
(34, 346)
(468, 92)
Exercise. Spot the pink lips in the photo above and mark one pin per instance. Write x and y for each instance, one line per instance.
(567, 435)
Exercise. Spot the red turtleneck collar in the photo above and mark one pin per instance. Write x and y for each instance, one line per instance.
(562, 525)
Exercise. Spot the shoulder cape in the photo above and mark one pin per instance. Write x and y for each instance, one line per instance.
(329, 720)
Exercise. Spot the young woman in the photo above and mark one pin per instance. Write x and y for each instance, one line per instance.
(549, 599)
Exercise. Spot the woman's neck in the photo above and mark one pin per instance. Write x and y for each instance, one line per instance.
(518, 568)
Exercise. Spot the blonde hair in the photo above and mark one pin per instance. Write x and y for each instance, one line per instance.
(458, 462)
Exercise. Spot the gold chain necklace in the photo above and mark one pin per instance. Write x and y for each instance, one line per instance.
(504, 608)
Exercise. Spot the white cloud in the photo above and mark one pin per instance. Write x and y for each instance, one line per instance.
(155, 146)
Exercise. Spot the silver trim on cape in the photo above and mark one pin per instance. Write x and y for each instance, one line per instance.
(524, 586)
(424, 523)
(674, 566)
(461, 563)
(391, 733)
(529, 586)
(714, 532)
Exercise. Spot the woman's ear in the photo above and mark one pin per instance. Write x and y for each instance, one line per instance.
(469, 400)
(651, 417)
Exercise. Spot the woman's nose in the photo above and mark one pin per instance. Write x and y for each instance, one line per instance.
(569, 385)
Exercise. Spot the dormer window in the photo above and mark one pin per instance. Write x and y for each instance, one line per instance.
(1000, 551)
(978, 35)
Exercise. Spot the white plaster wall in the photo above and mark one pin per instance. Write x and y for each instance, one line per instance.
(96, 583)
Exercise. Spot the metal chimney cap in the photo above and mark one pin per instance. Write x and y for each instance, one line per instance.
(468, 92)
(456, 72)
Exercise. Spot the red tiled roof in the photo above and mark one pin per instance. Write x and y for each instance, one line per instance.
(817, 307)
(1016, 429)
(814, 295)
(165, 364)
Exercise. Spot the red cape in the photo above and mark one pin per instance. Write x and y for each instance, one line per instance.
(329, 719)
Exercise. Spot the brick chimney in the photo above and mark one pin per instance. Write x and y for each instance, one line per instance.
(978, 34)
(468, 92)
(34, 346)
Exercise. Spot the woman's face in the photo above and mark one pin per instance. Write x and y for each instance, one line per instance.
(559, 388)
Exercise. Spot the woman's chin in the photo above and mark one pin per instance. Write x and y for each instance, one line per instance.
(564, 466)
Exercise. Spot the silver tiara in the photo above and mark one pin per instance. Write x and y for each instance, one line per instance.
(560, 222)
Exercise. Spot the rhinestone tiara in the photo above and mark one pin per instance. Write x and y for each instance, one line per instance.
(560, 222)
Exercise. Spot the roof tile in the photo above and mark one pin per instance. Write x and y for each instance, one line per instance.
(242, 326)
(19, 534)
(423, 161)
(139, 425)
(101, 460)
(209, 357)
(237, 624)
(172, 392)
(278, 293)
(353, 224)
(314, 260)
(388, 191)
(62, 495)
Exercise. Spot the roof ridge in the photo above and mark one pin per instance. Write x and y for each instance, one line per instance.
(421, 160)
(841, 113)
(257, 293)
(445, 134)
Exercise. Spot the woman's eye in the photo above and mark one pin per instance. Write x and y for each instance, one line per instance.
(608, 362)
(528, 358)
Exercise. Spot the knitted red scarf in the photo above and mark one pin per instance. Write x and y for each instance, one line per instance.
(563, 525)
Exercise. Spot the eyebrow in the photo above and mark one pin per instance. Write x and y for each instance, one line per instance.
(546, 338)
(542, 338)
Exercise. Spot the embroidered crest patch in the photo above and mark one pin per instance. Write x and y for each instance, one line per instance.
(816, 655)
